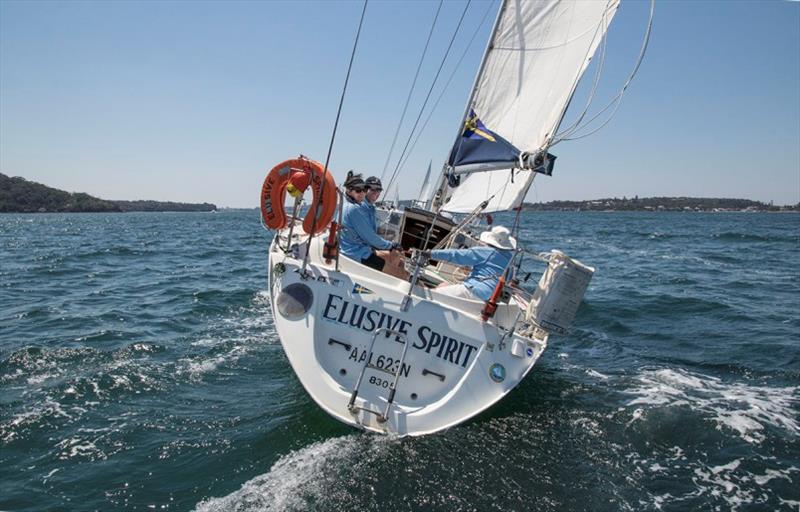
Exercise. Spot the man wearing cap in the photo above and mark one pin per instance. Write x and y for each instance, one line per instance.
(359, 239)
(488, 263)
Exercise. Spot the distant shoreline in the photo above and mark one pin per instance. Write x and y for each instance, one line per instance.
(18, 195)
(662, 204)
(224, 209)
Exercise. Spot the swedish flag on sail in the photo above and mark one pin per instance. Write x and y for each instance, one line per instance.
(478, 144)
(475, 129)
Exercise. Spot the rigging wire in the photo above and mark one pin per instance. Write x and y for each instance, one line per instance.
(333, 135)
(427, 97)
(611, 5)
(447, 84)
(413, 85)
(617, 100)
(598, 72)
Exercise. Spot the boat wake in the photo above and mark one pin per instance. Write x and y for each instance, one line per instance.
(242, 333)
(744, 409)
(305, 478)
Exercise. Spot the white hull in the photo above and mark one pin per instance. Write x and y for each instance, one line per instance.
(452, 367)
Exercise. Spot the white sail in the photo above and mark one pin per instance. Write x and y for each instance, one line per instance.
(536, 56)
(505, 190)
(425, 192)
(539, 52)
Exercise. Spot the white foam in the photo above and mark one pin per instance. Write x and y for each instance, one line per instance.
(9, 430)
(246, 330)
(196, 368)
(39, 379)
(308, 476)
(12, 376)
(726, 467)
(79, 447)
(296, 475)
(792, 503)
(738, 407)
(772, 474)
(596, 374)
(588, 425)
(658, 501)
(48, 475)
(721, 481)
(637, 415)
(261, 298)
(206, 342)
(727, 486)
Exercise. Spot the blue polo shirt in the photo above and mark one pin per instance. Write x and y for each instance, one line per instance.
(360, 230)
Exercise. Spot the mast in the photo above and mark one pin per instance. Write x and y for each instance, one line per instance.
(438, 196)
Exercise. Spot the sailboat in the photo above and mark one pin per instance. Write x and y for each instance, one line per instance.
(425, 189)
(397, 356)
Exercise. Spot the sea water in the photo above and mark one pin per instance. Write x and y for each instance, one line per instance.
(140, 369)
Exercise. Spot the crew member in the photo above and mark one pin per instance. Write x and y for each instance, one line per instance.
(488, 263)
(359, 239)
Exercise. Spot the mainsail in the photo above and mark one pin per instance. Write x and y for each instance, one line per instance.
(537, 54)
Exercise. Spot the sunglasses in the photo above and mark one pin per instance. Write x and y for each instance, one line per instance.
(358, 190)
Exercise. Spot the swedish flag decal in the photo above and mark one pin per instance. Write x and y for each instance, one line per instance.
(357, 288)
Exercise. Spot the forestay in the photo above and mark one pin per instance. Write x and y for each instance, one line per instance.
(536, 56)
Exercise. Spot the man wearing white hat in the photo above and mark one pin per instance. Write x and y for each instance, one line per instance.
(488, 264)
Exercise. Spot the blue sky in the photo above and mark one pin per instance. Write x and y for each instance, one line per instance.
(196, 101)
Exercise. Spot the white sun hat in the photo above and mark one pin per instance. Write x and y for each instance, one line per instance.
(499, 237)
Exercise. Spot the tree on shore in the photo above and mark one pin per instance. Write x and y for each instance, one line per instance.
(18, 195)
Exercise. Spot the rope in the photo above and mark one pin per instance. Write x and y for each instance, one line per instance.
(413, 85)
(333, 136)
(449, 47)
(600, 64)
(617, 100)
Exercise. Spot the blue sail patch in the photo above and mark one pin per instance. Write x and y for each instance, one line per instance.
(478, 144)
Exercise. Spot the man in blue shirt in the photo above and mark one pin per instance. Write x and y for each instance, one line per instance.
(488, 263)
(359, 238)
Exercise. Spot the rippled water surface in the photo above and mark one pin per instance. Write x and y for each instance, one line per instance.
(140, 369)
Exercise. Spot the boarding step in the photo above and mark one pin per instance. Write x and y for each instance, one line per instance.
(380, 415)
(351, 406)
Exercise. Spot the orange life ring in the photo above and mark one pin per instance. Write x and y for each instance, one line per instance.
(296, 172)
